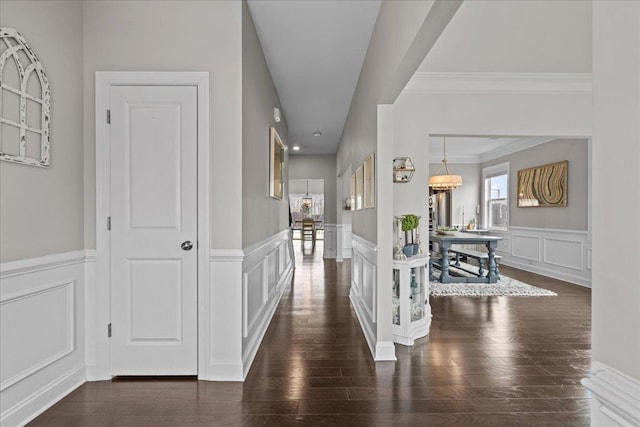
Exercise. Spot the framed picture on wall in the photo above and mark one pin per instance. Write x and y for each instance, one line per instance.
(276, 165)
(359, 187)
(543, 186)
(369, 200)
(353, 192)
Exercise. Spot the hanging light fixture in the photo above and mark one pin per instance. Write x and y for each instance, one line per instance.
(447, 181)
(307, 201)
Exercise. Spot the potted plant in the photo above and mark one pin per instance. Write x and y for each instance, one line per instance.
(410, 224)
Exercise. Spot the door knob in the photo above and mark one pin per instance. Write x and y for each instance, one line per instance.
(186, 246)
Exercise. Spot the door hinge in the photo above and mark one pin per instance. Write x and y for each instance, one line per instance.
(109, 223)
(109, 330)
(109, 116)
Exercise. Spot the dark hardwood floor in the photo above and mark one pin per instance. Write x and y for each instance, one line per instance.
(493, 361)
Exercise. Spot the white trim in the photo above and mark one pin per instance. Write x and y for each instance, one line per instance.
(538, 238)
(44, 398)
(47, 262)
(552, 239)
(231, 255)
(385, 351)
(615, 396)
(488, 173)
(547, 230)
(547, 272)
(71, 327)
(544, 264)
(253, 344)
(104, 80)
(366, 245)
(520, 83)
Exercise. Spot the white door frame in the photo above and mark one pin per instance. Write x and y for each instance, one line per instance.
(98, 313)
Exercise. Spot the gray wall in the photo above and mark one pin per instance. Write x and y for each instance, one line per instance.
(41, 210)
(572, 217)
(318, 167)
(262, 216)
(403, 34)
(174, 36)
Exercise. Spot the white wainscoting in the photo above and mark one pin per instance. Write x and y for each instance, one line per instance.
(561, 254)
(615, 397)
(345, 233)
(266, 272)
(330, 241)
(42, 334)
(364, 288)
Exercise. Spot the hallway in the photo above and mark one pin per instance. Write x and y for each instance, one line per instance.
(487, 362)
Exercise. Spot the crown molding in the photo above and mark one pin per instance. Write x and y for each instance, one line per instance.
(496, 83)
(518, 144)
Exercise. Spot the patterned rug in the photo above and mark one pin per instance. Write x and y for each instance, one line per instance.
(506, 286)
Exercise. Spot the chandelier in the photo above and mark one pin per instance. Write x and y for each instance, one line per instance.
(447, 181)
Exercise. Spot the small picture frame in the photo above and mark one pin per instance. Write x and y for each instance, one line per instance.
(369, 198)
(353, 192)
(359, 187)
(276, 165)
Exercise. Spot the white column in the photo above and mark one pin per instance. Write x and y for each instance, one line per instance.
(615, 378)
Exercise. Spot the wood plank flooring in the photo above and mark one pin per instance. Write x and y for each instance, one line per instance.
(493, 361)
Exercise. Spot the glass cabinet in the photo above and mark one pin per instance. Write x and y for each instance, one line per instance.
(411, 312)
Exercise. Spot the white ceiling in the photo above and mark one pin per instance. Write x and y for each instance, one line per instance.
(314, 50)
(477, 149)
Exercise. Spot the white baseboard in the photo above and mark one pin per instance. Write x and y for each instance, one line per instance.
(225, 371)
(546, 272)
(44, 398)
(369, 333)
(385, 351)
(615, 397)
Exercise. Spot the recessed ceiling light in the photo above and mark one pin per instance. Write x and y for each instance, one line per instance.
(296, 148)
(317, 133)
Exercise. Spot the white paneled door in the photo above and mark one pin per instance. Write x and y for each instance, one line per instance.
(153, 193)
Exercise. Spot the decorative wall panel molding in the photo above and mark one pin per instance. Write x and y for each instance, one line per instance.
(25, 103)
(562, 254)
(330, 241)
(267, 269)
(42, 337)
(525, 247)
(364, 288)
(50, 331)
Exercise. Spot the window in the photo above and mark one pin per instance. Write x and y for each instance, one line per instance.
(496, 196)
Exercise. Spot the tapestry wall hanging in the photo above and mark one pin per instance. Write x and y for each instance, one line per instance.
(543, 186)
(25, 103)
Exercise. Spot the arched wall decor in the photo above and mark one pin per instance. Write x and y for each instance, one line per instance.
(25, 103)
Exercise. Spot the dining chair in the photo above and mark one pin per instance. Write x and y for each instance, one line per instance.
(309, 231)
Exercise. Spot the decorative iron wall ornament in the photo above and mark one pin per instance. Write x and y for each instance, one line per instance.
(25, 103)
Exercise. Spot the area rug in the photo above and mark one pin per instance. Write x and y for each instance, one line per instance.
(506, 286)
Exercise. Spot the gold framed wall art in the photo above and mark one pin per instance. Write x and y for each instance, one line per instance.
(543, 186)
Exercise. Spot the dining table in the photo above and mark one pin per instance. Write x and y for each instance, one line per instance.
(445, 241)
